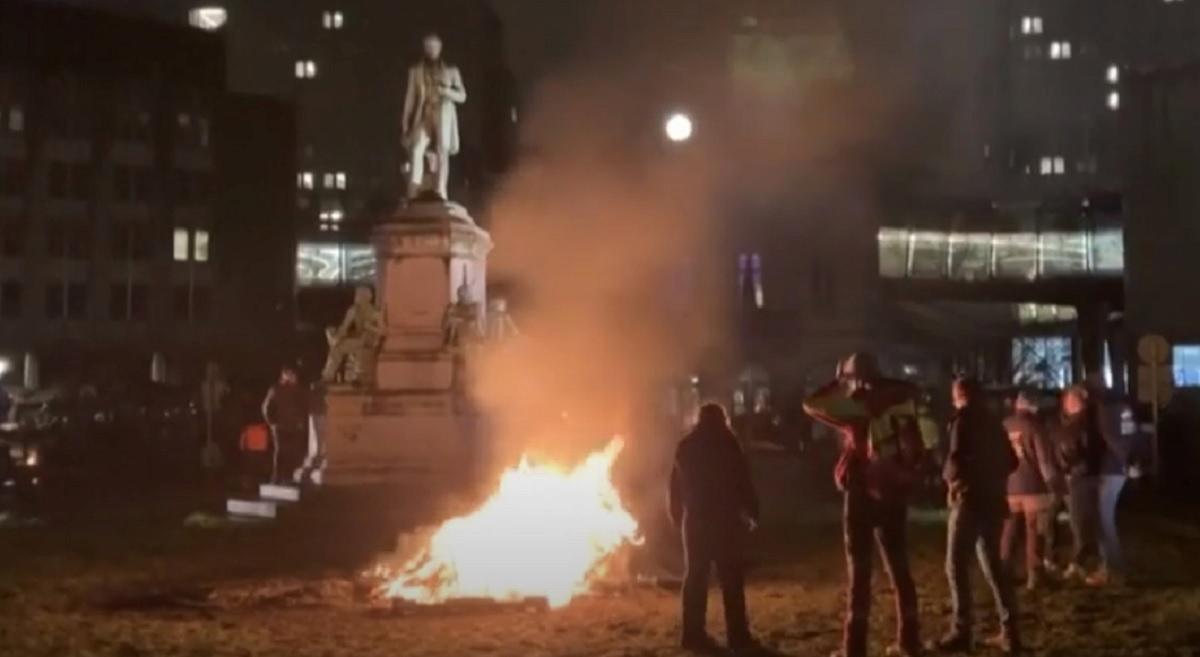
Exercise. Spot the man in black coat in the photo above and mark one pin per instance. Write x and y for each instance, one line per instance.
(977, 467)
(712, 501)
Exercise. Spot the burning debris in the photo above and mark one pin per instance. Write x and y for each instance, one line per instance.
(547, 533)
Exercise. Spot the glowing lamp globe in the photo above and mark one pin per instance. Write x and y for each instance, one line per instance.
(678, 127)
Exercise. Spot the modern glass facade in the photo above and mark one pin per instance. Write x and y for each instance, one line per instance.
(334, 263)
(983, 255)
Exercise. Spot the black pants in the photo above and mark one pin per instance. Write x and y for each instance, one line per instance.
(706, 543)
(291, 448)
(1083, 505)
(974, 531)
(870, 523)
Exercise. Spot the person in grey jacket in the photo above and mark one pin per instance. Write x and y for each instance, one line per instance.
(1031, 489)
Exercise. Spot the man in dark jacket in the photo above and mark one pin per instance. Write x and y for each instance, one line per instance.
(712, 501)
(978, 463)
(1031, 488)
(1090, 453)
(285, 410)
(881, 459)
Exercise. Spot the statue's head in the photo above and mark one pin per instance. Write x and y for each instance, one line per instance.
(431, 45)
(464, 292)
(363, 294)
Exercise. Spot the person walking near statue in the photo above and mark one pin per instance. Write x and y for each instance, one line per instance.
(712, 502)
(978, 463)
(285, 410)
(880, 464)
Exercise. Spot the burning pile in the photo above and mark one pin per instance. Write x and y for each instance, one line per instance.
(545, 533)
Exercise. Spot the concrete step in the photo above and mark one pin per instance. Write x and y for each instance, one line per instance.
(259, 509)
(279, 492)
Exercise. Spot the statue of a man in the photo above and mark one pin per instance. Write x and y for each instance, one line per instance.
(356, 339)
(461, 324)
(499, 326)
(430, 121)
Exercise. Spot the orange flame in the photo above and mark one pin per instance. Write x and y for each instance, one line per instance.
(545, 532)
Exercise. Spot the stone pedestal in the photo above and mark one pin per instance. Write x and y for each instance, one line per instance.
(410, 423)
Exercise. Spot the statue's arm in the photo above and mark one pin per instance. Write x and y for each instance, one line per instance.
(347, 323)
(410, 103)
(456, 91)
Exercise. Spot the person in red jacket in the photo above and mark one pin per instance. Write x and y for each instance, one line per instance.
(880, 463)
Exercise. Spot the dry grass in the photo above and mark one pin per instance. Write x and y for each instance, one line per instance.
(138, 587)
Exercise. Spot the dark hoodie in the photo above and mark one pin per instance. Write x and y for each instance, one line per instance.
(710, 482)
(979, 460)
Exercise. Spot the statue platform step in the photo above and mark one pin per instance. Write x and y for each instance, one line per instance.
(279, 492)
(256, 509)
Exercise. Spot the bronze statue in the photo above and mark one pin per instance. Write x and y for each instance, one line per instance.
(356, 340)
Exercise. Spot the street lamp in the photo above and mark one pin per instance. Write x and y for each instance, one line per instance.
(678, 127)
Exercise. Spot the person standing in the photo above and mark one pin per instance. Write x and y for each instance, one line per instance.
(978, 464)
(880, 464)
(285, 409)
(1031, 489)
(713, 503)
(1095, 464)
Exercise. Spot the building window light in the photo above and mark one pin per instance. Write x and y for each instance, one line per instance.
(1112, 74)
(340, 179)
(304, 180)
(16, 119)
(1031, 25)
(1052, 166)
(181, 245)
(1060, 50)
(1113, 101)
(332, 20)
(306, 69)
(327, 180)
(200, 246)
(208, 18)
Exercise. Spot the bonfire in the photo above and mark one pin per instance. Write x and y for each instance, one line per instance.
(547, 532)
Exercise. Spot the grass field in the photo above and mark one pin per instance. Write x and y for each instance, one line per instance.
(138, 584)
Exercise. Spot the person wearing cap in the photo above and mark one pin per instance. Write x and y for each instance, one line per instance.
(977, 468)
(712, 502)
(880, 464)
(1031, 489)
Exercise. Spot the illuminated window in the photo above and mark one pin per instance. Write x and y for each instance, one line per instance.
(327, 180)
(1042, 361)
(1047, 166)
(756, 273)
(340, 179)
(1113, 101)
(1185, 364)
(1112, 74)
(16, 119)
(181, 245)
(208, 18)
(332, 20)
(306, 69)
(304, 180)
(1031, 25)
(200, 246)
(1060, 50)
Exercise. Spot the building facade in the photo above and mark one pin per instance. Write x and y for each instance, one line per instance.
(119, 234)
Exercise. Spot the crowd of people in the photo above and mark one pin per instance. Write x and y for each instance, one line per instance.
(1004, 477)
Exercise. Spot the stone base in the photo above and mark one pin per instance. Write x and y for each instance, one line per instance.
(414, 371)
(409, 439)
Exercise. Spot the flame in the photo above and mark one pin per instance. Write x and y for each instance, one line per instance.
(545, 532)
